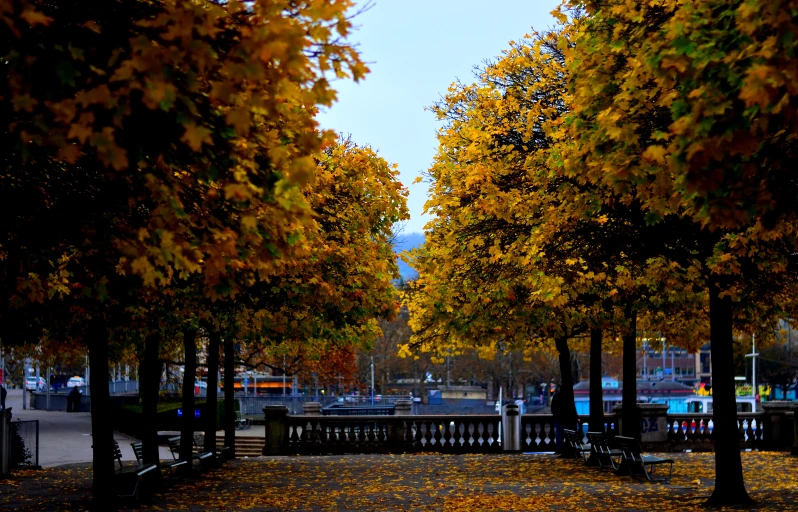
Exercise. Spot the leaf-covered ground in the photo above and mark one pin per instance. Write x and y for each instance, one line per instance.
(421, 482)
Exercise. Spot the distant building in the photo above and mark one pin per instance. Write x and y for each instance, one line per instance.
(673, 363)
(660, 392)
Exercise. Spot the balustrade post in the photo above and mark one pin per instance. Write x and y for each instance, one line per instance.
(653, 425)
(777, 430)
(312, 409)
(398, 433)
(276, 435)
(403, 408)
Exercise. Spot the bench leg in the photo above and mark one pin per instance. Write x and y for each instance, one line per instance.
(651, 469)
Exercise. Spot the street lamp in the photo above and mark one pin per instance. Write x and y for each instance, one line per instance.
(753, 356)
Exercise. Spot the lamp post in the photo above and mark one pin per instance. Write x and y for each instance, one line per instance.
(753, 356)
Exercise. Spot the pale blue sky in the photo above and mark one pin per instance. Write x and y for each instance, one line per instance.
(415, 49)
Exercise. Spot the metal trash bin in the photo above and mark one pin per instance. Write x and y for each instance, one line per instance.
(511, 428)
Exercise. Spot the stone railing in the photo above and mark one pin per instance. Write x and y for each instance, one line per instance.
(538, 434)
(391, 434)
(313, 433)
(695, 431)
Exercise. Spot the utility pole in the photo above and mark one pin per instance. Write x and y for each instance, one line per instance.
(673, 368)
(645, 356)
(664, 361)
(372, 381)
(753, 356)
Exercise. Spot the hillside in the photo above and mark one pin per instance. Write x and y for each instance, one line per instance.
(404, 242)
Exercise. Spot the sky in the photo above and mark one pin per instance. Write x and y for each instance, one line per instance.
(415, 50)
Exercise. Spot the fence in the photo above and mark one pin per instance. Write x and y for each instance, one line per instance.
(695, 432)
(772, 429)
(425, 433)
(253, 405)
(123, 386)
(336, 409)
(24, 444)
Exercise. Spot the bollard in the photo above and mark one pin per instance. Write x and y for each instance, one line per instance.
(276, 431)
(511, 428)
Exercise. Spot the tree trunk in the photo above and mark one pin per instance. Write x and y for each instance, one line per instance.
(214, 338)
(101, 425)
(596, 421)
(630, 417)
(568, 416)
(150, 379)
(189, 375)
(229, 397)
(729, 484)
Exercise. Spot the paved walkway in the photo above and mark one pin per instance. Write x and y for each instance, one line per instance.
(420, 482)
(65, 438)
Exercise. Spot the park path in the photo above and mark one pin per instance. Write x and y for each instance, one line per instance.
(421, 482)
(65, 438)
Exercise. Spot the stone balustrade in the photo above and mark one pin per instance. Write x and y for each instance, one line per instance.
(695, 431)
(313, 433)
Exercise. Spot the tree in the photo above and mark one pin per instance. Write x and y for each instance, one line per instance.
(93, 211)
(329, 301)
(667, 112)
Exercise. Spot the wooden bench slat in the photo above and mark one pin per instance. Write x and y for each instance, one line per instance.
(139, 471)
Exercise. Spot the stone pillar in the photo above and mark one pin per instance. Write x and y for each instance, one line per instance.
(653, 425)
(399, 425)
(312, 409)
(403, 408)
(776, 425)
(276, 432)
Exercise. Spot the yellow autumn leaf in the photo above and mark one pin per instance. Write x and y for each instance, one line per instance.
(655, 154)
(195, 136)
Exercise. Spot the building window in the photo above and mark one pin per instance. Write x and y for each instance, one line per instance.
(705, 363)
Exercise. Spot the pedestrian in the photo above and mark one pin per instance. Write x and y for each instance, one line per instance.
(556, 411)
(3, 394)
(73, 400)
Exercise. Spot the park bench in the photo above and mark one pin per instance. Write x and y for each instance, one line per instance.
(171, 465)
(607, 457)
(221, 454)
(574, 440)
(202, 457)
(639, 464)
(242, 423)
(128, 479)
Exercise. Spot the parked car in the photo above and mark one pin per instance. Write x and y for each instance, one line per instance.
(34, 383)
(58, 382)
(75, 381)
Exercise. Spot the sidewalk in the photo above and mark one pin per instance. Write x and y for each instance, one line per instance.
(65, 438)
